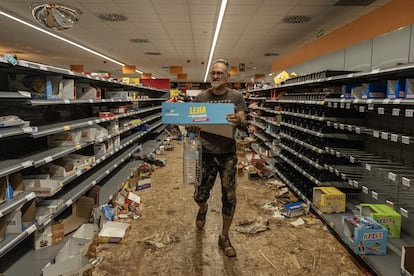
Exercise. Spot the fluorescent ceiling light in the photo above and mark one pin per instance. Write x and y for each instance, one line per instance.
(216, 34)
(63, 39)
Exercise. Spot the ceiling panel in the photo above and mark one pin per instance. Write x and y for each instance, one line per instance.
(180, 29)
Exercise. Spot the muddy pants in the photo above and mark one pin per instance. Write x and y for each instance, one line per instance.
(225, 165)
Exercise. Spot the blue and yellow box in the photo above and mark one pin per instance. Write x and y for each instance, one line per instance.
(384, 215)
(364, 235)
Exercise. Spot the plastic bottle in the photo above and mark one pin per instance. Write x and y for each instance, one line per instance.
(192, 160)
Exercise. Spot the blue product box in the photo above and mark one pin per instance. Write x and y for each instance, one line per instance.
(375, 90)
(295, 209)
(395, 89)
(347, 89)
(364, 235)
(194, 113)
(406, 91)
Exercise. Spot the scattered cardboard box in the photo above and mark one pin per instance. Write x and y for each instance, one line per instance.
(64, 139)
(16, 181)
(114, 232)
(14, 222)
(28, 214)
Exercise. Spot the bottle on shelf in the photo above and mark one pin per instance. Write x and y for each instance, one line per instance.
(192, 160)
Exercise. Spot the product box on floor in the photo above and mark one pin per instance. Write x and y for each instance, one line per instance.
(210, 117)
(114, 232)
(407, 261)
(295, 209)
(364, 235)
(329, 199)
(384, 215)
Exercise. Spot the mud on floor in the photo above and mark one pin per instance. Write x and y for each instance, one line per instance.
(165, 241)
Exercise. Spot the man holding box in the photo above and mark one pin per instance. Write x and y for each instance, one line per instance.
(219, 153)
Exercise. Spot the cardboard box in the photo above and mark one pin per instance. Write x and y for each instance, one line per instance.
(49, 236)
(364, 235)
(394, 87)
(101, 149)
(40, 86)
(68, 89)
(88, 134)
(117, 95)
(406, 89)
(28, 214)
(64, 139)
(143, 184)
(329, 199)
(42, 185)
(14, 222)
(114, 232)
(3, 226)
(384, 215)
(60, 170)
(210, 117)
(407, 261)
(81, 212)
(16, 181)
(85, 91)
(80, 162)
(3, 187)
(295, 209)
(71, 259)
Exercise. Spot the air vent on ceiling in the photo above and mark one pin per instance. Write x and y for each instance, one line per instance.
(354, 2)
(271, 54)
(153, 53)
(112, 17)
(296, 19)
(139, 40)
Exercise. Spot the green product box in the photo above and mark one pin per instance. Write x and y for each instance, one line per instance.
(385, 216)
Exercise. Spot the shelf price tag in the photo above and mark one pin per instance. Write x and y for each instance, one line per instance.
(392, 176)
(329, 104)
(403, 212)
(357, 130)
(331, 224)
(365, 189)
(66, 128)
(341, 126)
(396, 112)
(352, 159)
(68, 203)
(348, 106)
(356, 184)
(335, 105)
(381, 111)
(26, 164)
(48, 159)
(406, 182)
(368, 167)
(361, 108)
(370, 105)
(390, 203)
(31, 229)
(376, 134)
(409, 113)
(343, 176)
(405, 140)
(336, 125)
(374, 195)
(394, 137)
(384, 135)
(30, 196)
(349, 127)
(350, 183)
(342, 105)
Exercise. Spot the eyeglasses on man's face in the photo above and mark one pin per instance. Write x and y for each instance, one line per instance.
(218, 73)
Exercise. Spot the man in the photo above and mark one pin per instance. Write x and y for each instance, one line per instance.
(219, 153)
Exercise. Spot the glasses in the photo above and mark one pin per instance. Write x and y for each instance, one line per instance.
(218, 73)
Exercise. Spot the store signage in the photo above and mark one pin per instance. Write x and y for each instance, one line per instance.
(128, 69)
(176, 69)
(77, 68)
(182, 76)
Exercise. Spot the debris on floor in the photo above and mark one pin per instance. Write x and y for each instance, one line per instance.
(252, 226)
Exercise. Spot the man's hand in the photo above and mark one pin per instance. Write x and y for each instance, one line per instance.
(234, 119)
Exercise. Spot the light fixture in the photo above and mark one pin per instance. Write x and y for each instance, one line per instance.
(216, 34)
(63, 39)
(55, 16)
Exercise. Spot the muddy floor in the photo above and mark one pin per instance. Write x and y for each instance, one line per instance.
(165, 241)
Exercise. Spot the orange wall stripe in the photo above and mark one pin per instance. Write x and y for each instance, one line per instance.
(396, 14)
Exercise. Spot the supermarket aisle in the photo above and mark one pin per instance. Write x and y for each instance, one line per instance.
(165, 240)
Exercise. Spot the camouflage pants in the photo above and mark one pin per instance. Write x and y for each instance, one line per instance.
(225, 165)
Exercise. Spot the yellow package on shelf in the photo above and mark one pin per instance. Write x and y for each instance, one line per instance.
(329, 199)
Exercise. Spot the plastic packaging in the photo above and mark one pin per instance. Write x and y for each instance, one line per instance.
(192, 160)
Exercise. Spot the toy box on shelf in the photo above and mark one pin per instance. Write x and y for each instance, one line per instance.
(329, 199)
(364, 235)
(384, 215)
